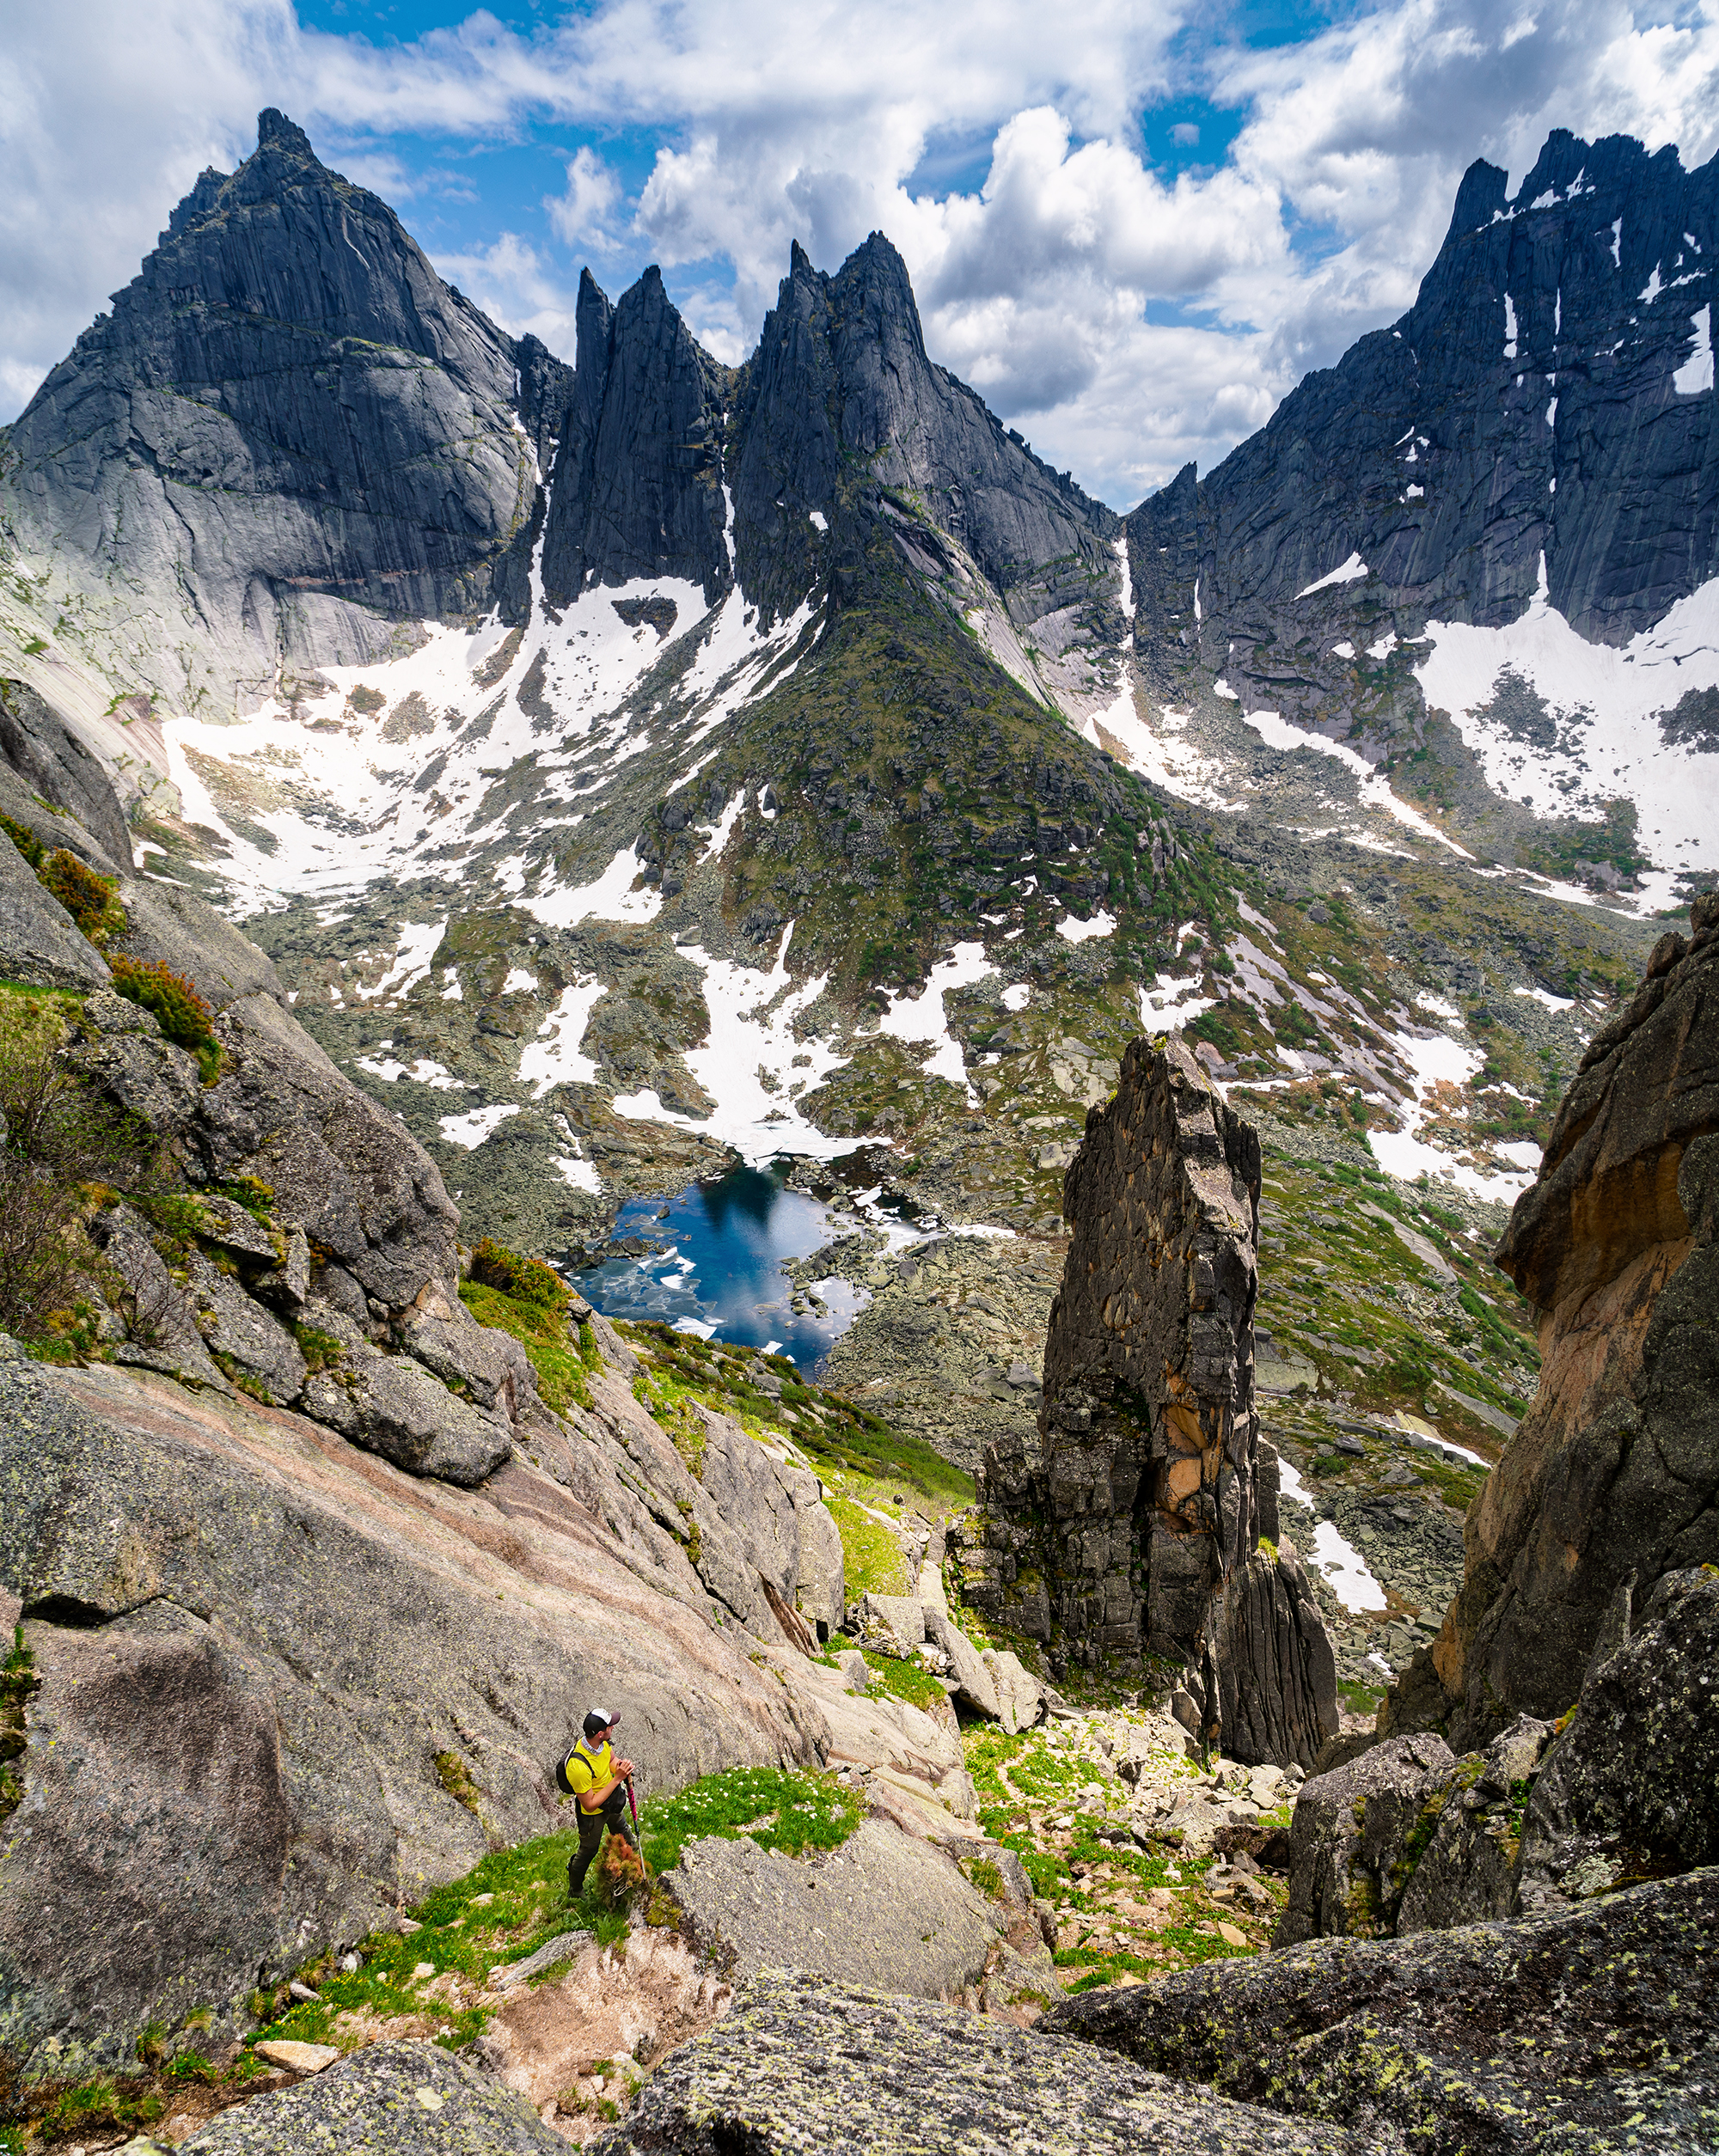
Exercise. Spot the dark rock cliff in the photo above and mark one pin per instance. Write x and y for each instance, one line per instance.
(1526, 405)
(841, 385)
(637, 484)
(291, 406)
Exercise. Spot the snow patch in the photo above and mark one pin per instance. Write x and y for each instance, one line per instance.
(471, 1129)
(554, 1057)
(922, 1019)
(1345, 573)
(1079, 931)
(1696, 374)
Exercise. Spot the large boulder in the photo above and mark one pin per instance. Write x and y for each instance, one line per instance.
(1350, 1838)
(800, 2067)
(1466, 1873)
(887, 1910)
(1591, 2029)
(1630, 1790)
(1613, 1475)
(393, 2100)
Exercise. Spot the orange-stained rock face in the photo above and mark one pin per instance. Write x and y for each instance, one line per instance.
(1612, 1479)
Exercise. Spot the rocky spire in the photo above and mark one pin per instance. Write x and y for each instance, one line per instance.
(1150, 1509)
(638, 487)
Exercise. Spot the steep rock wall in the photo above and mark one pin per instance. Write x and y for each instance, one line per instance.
(288, 436)
(1612, 1479)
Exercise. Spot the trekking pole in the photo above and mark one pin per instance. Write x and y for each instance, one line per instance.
(633, 1805)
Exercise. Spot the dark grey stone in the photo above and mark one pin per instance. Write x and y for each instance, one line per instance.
(1632, 526)
(800, 2065)
(1566, 2035)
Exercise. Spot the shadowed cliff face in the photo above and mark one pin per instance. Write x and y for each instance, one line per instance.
(274, 406)
(1612, 1480)
(638, 486)
(1525, 407)
(840, 388)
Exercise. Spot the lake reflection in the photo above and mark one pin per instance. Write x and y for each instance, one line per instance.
(722, 1272)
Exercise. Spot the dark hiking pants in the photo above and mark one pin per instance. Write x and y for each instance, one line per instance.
(611, 1815)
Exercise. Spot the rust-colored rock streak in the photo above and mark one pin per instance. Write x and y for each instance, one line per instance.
(1612, 1481)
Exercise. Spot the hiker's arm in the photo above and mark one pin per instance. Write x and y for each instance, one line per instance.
(594, 1798)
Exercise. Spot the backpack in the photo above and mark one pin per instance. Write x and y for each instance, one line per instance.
(563, 1781)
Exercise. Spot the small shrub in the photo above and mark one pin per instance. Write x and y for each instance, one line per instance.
(528, 1279)
(178, 1010)
(92, 900)
(620, 1872)
(25, 840)
(58, 1142)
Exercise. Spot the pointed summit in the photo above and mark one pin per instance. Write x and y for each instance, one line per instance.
(273, 398)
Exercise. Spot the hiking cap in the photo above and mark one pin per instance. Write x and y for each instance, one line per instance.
(601, 1714)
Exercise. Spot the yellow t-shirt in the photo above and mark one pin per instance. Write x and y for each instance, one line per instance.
(588, 1769)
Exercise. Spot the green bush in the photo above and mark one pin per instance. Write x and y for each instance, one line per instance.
(57, 1142)
(92, 900)
(527, 1280)
(25, 840)
(178, 1010)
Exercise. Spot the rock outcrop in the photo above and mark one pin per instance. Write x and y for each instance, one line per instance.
(1524, 413)
(1539, 2037)
(314, 1585)
(1612, 1479)
(886, 1911)
(1143, 1514)
(1408, 1839)
(800, 2065)
(285, 1686)
(395, 2099)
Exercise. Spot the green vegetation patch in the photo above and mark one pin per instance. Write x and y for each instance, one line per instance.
(910, 1681)
(776, 1808)
(528, 1299)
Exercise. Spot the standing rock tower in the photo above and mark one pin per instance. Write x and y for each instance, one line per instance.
(1147, 1523)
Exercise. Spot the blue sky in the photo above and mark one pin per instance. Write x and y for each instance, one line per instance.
(1132, 237)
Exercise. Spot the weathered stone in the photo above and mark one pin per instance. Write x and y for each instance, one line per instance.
(39, 939)
(800, 2067)
(163, 1327)
(253, 1642)
(1544, 2037)
(974, 1683)
(1022, 1698)
(235, 1326)
(1630, 1790)
(1467, 1873)
(1277, 1677)
(1149, 1483)
(885, 1909)
(392, 2099)
(391, 1404)
(298, 2058)
(1349, 1836)
(1613, 1475)
(53, 765)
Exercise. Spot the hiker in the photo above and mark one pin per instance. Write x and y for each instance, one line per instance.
(597, 1782)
